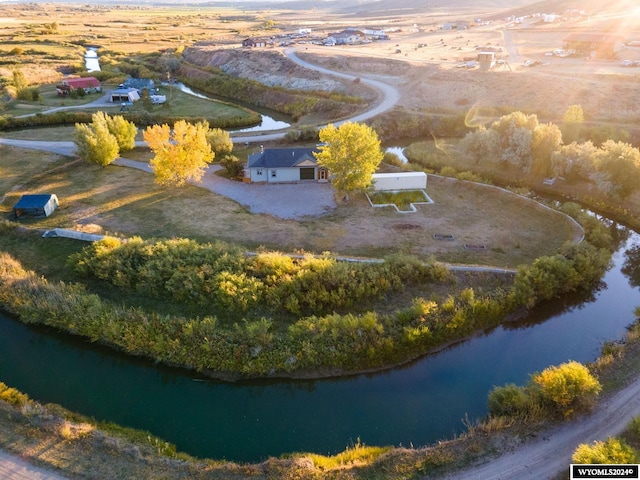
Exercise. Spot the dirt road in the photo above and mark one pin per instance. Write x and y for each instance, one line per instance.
(551, 453)
(14, 468)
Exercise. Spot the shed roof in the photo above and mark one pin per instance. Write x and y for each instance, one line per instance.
(130, 93)
(281, 157)
(34, 201)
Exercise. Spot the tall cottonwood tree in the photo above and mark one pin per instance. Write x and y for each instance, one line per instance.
(220, 141)
(572, 121)
(94, 141)
(181, 154)
(546, 140)
(351, 153)
(123, 130)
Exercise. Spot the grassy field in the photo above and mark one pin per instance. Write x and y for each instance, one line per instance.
(179, 104)
(121, 201)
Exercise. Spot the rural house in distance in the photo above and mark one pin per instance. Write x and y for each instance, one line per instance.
(284, 165)
(69, 85)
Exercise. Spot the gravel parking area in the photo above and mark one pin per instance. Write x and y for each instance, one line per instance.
(282, 200)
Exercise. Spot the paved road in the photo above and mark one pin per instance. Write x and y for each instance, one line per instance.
(61, 148)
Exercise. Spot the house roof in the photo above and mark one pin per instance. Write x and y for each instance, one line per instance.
(33, 201)
(139, 83)
(81, 82)
(282, 157)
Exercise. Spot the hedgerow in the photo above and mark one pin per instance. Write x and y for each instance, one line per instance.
(142, 119)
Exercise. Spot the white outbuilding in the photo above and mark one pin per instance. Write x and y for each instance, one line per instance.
(399, 181)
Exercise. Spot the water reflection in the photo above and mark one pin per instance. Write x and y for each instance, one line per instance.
(631, 266)
(91, 62)
(398, 152)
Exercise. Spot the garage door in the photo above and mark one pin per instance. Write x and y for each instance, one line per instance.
(307, 174)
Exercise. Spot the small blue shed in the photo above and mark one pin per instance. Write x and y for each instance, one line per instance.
(35, 206)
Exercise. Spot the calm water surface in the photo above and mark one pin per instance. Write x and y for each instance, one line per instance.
(415, 405)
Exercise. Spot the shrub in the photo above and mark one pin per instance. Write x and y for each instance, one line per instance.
(29, 94)
(569, 387)
(509, 400)
(13, 396)
(611, 451)
(233, 166)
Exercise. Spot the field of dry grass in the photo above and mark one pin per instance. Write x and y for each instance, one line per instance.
(121, 201)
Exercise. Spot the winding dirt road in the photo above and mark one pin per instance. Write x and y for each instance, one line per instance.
(551, 453)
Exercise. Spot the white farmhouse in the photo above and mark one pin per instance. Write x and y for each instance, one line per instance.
(284, 165)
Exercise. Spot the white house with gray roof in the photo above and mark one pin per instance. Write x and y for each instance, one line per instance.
(284, 165)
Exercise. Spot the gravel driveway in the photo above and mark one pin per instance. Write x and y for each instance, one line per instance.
(282, 200)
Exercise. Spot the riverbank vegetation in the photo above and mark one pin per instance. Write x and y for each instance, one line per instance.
(314, 342)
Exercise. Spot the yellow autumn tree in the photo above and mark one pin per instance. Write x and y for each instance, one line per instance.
(181, 154)
(351, 153)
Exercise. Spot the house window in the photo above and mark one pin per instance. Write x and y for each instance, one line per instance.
(259, 171)
(273, 174)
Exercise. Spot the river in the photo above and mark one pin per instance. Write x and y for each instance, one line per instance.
(415, 405)
(267, 123)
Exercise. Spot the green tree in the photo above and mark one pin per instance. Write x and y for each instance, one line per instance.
(612, 450)
(124, 131)
(572, 121)
(547, 140)
(181, 153)
(515, 133)
(619, 166)
(482, 145)
(351, 153)
(94, 141)
(568, 388)
(232, 165)
(220, 141)
(575, 160)
(19, 80)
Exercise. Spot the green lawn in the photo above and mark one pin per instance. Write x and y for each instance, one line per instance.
(179, 104)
